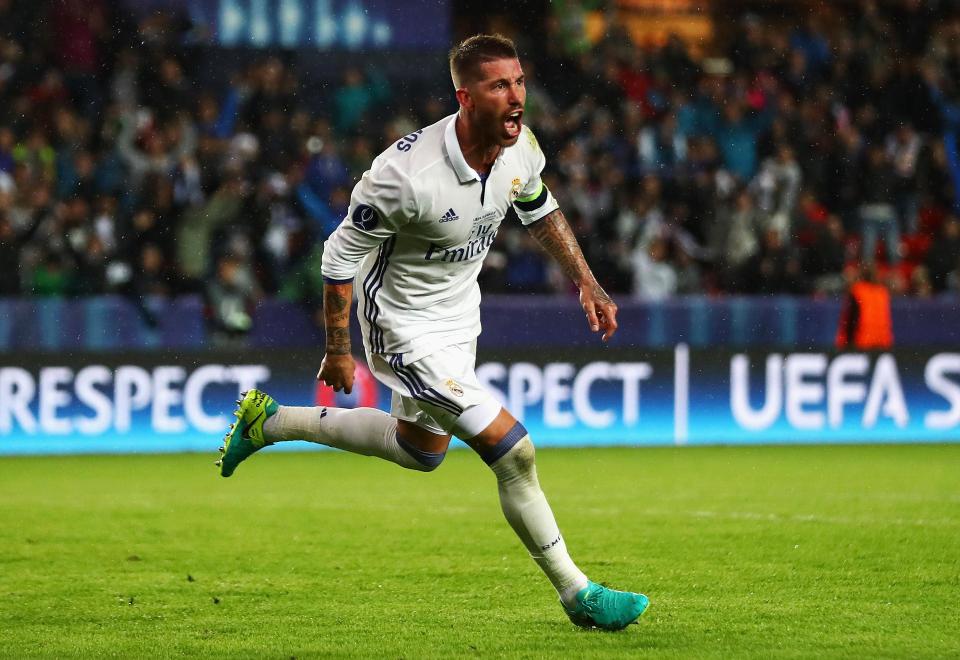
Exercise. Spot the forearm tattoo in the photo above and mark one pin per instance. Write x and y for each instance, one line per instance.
(555, 236)
(338, 341)
(336, 314)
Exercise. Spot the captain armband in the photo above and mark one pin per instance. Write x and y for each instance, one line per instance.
(533, 202)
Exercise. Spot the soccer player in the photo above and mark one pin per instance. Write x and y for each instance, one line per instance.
(420, 222)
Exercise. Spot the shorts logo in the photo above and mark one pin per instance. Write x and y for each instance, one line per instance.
(516, 186)
(364, 217)
(454, 387)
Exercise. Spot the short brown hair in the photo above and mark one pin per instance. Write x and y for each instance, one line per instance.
(467, 56)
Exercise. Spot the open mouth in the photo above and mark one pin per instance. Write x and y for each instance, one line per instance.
(513, 124)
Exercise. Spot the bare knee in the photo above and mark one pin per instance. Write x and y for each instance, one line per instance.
(494, 433)
(427, 449)
(505, 439)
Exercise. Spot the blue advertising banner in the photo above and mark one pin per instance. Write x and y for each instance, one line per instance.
(325, 25)
(167, 402)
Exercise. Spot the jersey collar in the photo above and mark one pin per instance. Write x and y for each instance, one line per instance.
(464, 172)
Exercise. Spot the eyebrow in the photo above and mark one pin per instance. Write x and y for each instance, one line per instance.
(507, 80)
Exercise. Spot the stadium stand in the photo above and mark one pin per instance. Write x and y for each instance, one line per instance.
(771, 163)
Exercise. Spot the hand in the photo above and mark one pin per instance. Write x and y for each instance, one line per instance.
(337, 372)
(600, 309)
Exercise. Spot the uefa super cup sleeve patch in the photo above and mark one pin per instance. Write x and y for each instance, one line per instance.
(364, 217)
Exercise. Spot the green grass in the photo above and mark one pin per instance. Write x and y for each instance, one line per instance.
(746, 552)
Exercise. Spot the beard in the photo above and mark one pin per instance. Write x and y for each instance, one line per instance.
(497, 129)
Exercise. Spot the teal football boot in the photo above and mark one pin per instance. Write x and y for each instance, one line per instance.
(600, 607)
(246, 434)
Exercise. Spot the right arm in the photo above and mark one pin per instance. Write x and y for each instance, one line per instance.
(381, 203)
(336, 369)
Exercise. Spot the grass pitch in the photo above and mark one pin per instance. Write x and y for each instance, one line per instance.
(752, 552)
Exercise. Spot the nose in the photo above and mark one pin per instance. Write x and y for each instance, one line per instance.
(514, 96)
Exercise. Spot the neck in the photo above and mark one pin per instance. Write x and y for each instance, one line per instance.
(478, 153)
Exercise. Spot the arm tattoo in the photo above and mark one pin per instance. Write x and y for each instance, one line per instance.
(334, 302)
(336, 315)
(338, 341)
(555, 236)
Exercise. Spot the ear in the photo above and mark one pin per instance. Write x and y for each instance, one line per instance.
(464, 98)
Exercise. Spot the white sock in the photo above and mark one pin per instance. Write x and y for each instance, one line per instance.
(365, 431)
(526, 509)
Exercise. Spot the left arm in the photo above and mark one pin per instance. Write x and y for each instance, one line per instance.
(555, 236)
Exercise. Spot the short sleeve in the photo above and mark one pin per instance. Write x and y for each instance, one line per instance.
(535, 200)
(382, 202)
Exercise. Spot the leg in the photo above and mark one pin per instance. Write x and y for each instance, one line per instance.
(261, 422)
(409, 437)
(505, 446)
(446, 387)
(363, 431)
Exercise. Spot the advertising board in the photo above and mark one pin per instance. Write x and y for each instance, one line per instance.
(165, 402)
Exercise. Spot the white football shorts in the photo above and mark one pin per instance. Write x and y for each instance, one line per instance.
(439, 392)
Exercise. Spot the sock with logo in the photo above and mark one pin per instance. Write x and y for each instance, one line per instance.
(365, 431)
(526, 509)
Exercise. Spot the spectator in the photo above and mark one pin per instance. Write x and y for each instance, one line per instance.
(844, 193)
(825, 257)
(230, 295)
(36, 154)
(153, 273)
(920, 284)
(356, 96)
(80, 28)
(148, 147)
(878, 216)
(777, 187)
(865, 321)
(654, 277)
(903, 151)
(736, 240)
(737, 135)
(775, 268)
(689, 276)
(51, 278)
(662, 149)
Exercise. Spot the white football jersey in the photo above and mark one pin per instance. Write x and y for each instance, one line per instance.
(420, 223)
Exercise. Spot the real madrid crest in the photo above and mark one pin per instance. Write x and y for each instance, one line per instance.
(517, 186)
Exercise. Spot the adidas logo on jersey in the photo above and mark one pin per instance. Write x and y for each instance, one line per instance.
(450, 216)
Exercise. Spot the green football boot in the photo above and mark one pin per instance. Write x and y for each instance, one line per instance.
(599, 607)
(246, 434)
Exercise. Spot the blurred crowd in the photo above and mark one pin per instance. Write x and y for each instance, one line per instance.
(808, 144)
(803, 145)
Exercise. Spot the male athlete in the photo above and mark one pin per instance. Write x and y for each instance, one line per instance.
(420, 222)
